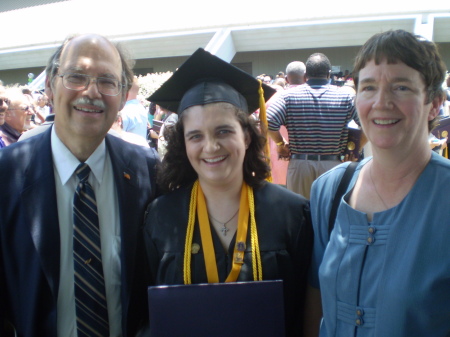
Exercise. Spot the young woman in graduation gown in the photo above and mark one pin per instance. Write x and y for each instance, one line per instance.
(222, 221)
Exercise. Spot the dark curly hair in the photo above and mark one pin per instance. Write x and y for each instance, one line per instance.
(176, 170)
(412, 50)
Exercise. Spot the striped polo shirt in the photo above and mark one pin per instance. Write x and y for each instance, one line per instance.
(316, 115)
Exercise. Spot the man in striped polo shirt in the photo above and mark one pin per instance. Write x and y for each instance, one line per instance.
(316, 115)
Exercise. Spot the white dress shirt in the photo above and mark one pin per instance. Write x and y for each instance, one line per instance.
(102, 181)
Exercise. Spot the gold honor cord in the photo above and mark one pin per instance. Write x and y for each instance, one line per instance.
(190, 235)
(247, 207)
(205, 233)
(241, 236)
(256, 256)
(264, 125)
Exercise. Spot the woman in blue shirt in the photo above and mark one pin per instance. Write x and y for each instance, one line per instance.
(385, 270)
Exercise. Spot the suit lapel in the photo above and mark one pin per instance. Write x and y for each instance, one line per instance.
(127, 179)
(38, 200)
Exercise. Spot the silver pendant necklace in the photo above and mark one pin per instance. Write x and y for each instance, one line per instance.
(375, 187)
(224, 228)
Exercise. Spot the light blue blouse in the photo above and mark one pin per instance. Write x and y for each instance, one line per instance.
(391, 276)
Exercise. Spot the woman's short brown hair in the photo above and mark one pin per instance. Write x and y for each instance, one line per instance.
(413, 50)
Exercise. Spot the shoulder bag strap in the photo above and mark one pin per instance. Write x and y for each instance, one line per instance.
(345, 180)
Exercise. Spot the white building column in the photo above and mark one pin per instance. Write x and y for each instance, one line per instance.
(424, 26)
(222, 45)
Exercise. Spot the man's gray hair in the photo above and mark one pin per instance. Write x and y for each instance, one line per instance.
(295, 73)
(296, 68)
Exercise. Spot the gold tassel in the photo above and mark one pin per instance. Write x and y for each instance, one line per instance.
(264, 125)
(256, 253)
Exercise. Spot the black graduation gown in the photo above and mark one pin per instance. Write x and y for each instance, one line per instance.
(285, 241)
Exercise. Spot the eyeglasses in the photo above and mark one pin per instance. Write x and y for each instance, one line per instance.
(22, 109)
(106, 86)
(4, 100)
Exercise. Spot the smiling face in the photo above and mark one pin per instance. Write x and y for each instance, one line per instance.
(215, 143)
(19, 113)
(85, 116)
(391, 104)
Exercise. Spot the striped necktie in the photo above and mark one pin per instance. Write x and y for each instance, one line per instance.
(90, 299)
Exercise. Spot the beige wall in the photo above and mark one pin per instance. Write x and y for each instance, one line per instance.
(271, 62)
(19, 76)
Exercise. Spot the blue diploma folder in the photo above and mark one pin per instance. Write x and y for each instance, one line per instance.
(217, 309)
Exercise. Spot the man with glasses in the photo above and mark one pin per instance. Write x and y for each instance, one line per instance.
(18, 116)
(71, 177)
(3, 107)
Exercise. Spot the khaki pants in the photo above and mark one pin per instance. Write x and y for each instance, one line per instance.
(302, 173)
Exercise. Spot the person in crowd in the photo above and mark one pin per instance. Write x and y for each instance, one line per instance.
(268, 79)
(215, 165)
(36, 130)
(169, 120)
(385, 270)
(4, 101)
(436, 144)
(151, 113)
(18, 116)
(347, 76)
(295, 74)
(134, 115)
(446, 105)
(153, 133)
(279, 84)
(56, 278)
(447, 82)
(316, 117)
(32, 112)
(117, 129)
(42, 107)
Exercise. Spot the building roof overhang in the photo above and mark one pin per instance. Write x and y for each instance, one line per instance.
(148, 32)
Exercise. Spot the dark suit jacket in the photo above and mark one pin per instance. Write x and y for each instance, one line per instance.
(29, 233)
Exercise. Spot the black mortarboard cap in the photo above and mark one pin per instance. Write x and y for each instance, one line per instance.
(205, 78)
